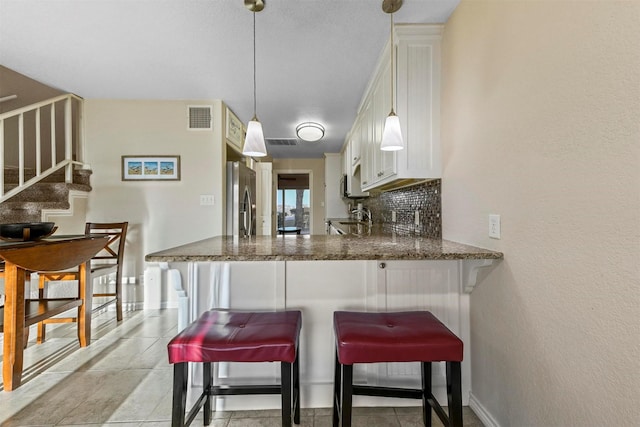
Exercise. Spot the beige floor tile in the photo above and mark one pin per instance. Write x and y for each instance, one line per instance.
(123, 379)
(319, 412)
(323, 421)
(265, 413)
(375, 421)
(377, 410)
(255, 422)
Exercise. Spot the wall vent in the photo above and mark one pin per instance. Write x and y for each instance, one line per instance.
(281, 141)
(200, 117)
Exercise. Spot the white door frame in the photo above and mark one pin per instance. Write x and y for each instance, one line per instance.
(276, 173)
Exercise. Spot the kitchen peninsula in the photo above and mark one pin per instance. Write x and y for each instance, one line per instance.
(319, 274)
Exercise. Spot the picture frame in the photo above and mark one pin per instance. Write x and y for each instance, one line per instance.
(234, 132)
(151, 168)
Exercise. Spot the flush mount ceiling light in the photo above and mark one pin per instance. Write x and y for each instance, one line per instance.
(392, 134)
(310, 131)
(254, 142)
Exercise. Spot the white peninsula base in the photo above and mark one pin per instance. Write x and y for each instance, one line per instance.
(319, 288)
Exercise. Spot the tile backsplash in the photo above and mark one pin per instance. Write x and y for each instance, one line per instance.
(424, 198)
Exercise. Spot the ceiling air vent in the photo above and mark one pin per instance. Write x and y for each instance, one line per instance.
(200, 117)
(282, 141)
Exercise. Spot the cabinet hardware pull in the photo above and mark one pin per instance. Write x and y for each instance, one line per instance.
(382, 265)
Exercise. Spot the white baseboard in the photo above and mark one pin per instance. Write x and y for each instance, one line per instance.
(482, 412)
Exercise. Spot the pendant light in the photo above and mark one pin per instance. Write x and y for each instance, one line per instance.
(254, 141)
(392, 134)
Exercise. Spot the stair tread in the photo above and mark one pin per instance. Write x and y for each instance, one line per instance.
(52, 193)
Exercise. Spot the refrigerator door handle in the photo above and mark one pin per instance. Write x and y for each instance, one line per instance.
(247, 219)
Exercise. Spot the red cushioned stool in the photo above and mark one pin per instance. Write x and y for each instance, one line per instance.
(412, 336)
(235, 336)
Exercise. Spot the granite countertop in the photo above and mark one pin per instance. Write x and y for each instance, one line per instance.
(321, 247)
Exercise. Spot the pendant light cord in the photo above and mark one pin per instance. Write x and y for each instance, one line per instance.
(254, 66)
(391, 50)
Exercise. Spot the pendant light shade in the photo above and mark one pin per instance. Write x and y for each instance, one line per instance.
(254, 142)
(254, 145)
(392, 134)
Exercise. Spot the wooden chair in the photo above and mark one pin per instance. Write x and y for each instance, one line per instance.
(105, 263)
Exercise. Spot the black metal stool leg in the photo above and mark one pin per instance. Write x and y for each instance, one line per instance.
(296, 390)
(179, 394)
(287, 402)
(454, 393)
(207, 381)
(337, 387)
(426, 393)
(347, 395)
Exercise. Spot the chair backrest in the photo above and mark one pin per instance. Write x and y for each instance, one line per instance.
(113, 252)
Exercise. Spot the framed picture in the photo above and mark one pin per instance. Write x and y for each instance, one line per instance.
(151, 168)
(234, 130)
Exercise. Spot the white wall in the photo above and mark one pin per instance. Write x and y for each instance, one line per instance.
(161, 214)
(541, 124)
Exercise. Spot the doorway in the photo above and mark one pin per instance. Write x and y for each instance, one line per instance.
(293, 202)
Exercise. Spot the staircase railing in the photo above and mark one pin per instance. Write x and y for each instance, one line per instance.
(40, 139)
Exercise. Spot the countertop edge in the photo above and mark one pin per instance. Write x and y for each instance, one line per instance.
(308, 248)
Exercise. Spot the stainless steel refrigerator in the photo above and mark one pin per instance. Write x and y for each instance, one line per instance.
(241, 200)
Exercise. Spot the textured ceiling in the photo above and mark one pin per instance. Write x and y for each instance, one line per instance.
(314, 57)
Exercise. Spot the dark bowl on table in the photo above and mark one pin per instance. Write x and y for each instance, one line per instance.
(27, 230)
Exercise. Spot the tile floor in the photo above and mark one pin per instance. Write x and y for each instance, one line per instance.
(123, 379)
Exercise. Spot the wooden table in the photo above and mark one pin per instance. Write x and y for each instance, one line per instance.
(46, 255)
(285, 230)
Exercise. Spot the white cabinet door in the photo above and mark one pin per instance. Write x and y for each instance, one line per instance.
(355, 143)
(417, 101)
(422, 285)
(418, 88)
(385, 161)
(346, 157)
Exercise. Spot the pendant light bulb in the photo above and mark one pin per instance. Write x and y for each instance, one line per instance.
(254, 145)
(392, 133)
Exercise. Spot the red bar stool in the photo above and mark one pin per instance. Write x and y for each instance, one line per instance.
(236, 336)
(412, 336)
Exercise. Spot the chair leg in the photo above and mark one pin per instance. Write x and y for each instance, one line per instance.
(287, 398)
(119, 298)
(454, 393)
(426, 393)
(337, 387)
(42, 294)
(347, 395)
(207, 381)
(296, 390)
(180, 374)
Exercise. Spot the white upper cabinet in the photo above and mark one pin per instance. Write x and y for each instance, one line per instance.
(417, 103)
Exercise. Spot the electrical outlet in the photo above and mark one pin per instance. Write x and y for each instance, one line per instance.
(417, 218)
(206, 200)
(393, 216)
(494, 226)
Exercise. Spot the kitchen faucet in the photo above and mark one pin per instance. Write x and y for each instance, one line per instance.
(363, 212)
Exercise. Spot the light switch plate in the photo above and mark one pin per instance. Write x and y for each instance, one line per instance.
(494, 226)
(206, 200)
